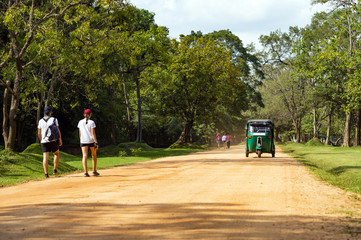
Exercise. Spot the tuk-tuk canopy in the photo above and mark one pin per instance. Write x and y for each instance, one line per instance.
(260, 123)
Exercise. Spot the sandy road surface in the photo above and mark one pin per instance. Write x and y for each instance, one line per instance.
(217, 194)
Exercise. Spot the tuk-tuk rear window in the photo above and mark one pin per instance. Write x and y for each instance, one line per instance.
(259, 128)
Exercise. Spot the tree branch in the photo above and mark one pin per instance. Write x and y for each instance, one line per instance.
(28, 64)
(51, 14)
(7, 86)
(4, 48)
(7, 59)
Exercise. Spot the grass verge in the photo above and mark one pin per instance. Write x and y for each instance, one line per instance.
(338, 166)
(18, 168)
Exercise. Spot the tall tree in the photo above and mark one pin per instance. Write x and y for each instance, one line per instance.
(279, 67)
(199, 78)
(246, 62)
(344, 46)
(22, 19)
(307, 55)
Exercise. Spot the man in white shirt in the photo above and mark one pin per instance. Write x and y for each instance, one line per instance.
(47, 145)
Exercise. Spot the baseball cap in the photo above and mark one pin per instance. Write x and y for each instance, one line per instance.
(47, 109)
(87, 111)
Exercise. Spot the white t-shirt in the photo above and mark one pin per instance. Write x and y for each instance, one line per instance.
(85, 131)
(44, 126)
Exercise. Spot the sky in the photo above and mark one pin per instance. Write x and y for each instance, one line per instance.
(248, 19)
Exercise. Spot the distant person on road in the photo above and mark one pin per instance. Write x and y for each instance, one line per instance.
(224, 137)
(228, 140)
(218, 140)
(49, 139)
(88, 139)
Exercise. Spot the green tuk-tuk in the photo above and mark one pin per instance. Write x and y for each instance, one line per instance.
(260, 137)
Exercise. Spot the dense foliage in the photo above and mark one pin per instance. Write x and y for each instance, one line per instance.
(112, 57)
(143, 86)
(312, 76)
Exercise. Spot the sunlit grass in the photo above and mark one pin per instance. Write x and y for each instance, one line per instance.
(338, 166)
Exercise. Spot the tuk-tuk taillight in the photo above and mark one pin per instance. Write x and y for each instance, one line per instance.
(249, 136)
(268, 136)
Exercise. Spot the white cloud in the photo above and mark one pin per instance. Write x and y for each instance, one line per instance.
(247, 19)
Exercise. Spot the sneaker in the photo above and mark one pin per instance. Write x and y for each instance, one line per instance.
(46, 175)
(86, 175)
(96, 173)
(55, 172)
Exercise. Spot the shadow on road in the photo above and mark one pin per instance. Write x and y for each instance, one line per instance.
(164, 221)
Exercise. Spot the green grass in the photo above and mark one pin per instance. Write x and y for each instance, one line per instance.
(21, 167)
(336, 165)
(107, 161)
(18, 168)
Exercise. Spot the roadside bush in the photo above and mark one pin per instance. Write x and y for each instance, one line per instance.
(135, 145)
(314, 142)
(124, 149)
(189, 145)
(3, 162)
(34, 148)
(108, 151)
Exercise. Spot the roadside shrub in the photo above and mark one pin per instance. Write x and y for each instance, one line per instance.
(314, 142)
(135, 145)
(123, 154)
(108, 151)
(34, 148)
(189, 145)
(7, 153)
(3, 163)
(124, 149)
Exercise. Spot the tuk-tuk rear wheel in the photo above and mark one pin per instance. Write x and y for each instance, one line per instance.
(259, 154)
(247, 153)
(273, 153)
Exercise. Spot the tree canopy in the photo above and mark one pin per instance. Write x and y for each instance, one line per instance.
(142, 85)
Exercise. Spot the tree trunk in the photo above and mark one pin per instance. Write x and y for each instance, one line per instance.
(5, 123)
(315, 125)
(50, 91)
(328, 134)
(139, 130)
(277, 138)
(298, 136)
(14, 106)
(38, 115)
(129, 119)
(185, 137)
(347, 131)
(297, 125)
(19, 133)
(358, 127)
(112, 132)
(12, 123)
(304, 137)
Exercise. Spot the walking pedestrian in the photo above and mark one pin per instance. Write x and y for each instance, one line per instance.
(88, 140)
(218, 140)
(50, 139)
(224, 137)
(228, 140)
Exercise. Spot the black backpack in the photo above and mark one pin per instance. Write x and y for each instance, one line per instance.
(54, 132)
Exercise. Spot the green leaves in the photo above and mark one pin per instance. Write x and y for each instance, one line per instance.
(199, 77)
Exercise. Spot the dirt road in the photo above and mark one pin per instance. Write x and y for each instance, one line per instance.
(213, 195)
